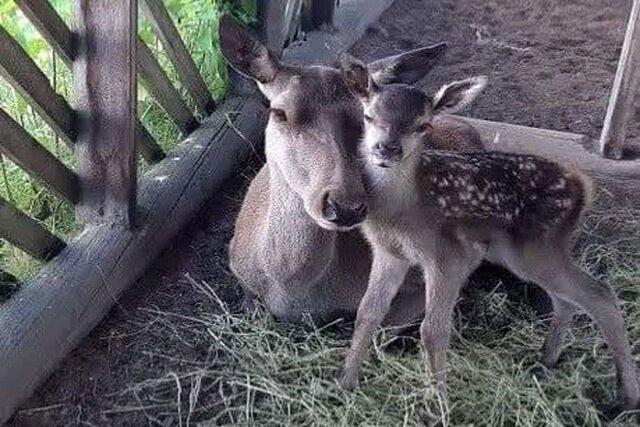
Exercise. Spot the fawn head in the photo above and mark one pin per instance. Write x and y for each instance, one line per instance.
(315, 122)
(397, 115)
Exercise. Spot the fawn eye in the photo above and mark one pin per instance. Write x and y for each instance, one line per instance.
(423, 127)
(278, 114)
(368, 118)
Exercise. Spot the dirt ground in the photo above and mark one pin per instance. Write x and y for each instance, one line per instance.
(551, 64)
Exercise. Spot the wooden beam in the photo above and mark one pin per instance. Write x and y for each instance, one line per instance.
(27, 153)
(619, 179)
(48, 316)
(624, 89)
(27, 234)
(179, 55)
(105, 80)
(25, 76)
(158, 84)
(51, 26)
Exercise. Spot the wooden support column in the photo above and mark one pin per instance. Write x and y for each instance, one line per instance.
(624, 88)
(105, 79)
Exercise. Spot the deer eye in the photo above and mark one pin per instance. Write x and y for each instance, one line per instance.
(423, 127)
(368, 118)
(278, 114)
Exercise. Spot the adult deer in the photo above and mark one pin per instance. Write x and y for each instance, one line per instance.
(294, 245)
(445, 212)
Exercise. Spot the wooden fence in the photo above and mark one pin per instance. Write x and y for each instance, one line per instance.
(102, 127)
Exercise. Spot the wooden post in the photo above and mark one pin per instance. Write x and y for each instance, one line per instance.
(624, 85)
(105, 78)
(280, 18)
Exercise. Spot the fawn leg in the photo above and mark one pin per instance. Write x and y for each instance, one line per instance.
(408, 305)
(562, 317)
(387, 274)
(564, 280)
(443, 280)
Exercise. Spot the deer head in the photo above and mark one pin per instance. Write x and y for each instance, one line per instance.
(315, 122)
(397, 115)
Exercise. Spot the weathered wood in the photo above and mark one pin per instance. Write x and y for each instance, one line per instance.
(280, 20)
(58, 34)
(158, 84)
(49, 315)
(624, 89)
(51, 26)
(179, 55)
(147, 146)
(319, 14)
(27, 234)
(105, 81)
(619, 179)
(27, 153)
(350, 22)
(25, 76)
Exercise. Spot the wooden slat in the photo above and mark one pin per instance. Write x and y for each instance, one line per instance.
(27, 153)
(147, 146)
(24, 75)
(54, 29)
(105, 77)
(51, 26)
(158, 84)
(27, 234)
(624, 88)
(179, 55)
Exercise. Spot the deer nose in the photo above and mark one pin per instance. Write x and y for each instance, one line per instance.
(387, 150)
(343, 213)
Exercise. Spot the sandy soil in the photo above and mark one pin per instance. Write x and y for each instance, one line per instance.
(551, 65)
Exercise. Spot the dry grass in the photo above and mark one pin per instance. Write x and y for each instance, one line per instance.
(250, 370)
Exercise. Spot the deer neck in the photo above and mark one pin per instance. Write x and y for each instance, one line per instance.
(294, 244)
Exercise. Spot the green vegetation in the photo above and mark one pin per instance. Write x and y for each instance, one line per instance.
(253, 370)
(197, 21)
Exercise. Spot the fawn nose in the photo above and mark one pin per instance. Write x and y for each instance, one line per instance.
(387, 150)
(342, 212)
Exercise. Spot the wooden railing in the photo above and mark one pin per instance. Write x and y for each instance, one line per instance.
(102, 127)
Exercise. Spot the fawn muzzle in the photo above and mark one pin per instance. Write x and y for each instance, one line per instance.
(386, 152)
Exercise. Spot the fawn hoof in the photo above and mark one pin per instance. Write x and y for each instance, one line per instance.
(348, 382)
(248, 301)
(543, 372)
(612, 410)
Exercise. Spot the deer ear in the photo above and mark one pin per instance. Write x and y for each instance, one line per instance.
(455, 96)
(356, 74)
(408, 67)
(245, 53)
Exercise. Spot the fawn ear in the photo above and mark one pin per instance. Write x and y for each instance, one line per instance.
(356, 74)
(408, 67)
(245, 53)
(455, 96)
